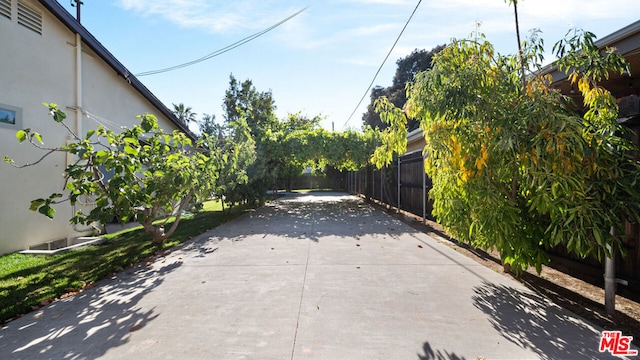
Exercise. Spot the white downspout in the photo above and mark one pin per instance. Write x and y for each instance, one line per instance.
(79, 110)
(78, 85)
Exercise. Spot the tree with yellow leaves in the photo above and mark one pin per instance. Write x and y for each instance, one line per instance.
(514, 168)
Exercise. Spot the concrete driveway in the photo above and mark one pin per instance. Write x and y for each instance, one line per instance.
(320, 276)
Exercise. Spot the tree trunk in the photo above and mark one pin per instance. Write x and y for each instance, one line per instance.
(156, 232)
(183, 203)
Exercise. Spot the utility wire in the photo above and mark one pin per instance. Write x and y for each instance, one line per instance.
(366, 92)
(224, 49)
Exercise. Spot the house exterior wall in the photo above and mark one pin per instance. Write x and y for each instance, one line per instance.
(37, 68)
(415, 141)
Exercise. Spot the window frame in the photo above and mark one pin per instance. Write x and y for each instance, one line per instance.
(17, 120)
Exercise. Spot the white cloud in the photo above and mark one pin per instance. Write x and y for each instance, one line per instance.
(220, 17)
(551, 10)
(464, 6)
(373, 30)
(386, 2)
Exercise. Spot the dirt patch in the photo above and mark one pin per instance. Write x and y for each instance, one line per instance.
(569, 292)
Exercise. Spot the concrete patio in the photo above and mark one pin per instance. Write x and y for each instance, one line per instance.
(318, 276)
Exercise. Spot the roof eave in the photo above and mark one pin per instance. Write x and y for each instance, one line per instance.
(70, 22)
(619, 37)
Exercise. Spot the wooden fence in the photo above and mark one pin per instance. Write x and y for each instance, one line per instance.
(411, 194)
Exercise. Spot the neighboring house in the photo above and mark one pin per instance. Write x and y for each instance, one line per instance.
(415, 141)
(47, 56)
(625, 87)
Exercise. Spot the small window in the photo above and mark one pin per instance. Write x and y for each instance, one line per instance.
(10, 117)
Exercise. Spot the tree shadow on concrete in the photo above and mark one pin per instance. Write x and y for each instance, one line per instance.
(430, 354)
(87, 325)
(533, 322)
(313, 216)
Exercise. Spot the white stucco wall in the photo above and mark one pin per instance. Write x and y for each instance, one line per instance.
(38, 68)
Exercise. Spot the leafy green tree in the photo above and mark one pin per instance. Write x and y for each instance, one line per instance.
(394, 137)
(235, 154)
(257, 109)
(300, 122)
(284, 148)
(184, 113)
(207, 125)
(285, 152)
(408, 67)
(215, 132)
(515, 168)
(140, 174)
(348, 150)
(371, 117)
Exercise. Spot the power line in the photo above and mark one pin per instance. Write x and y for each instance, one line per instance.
(381, 65)
(224, 49)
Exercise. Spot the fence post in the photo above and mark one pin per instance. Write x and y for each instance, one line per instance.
(366, 182)
(610, 279)
(381, 185)
(373, 183)
(355, 180)
(355, 185)
(424, 193)
(399, 184)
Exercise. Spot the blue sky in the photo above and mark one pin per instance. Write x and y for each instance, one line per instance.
(320, 62)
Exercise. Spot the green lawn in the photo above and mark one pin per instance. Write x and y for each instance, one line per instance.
(27, 281)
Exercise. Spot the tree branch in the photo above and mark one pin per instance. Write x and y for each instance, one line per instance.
(51, 151)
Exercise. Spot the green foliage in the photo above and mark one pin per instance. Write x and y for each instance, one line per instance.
(513, 167)
(143, 174)
(184, 113)
(257, 108)
(140, 174)
(284, 148)
(43, 206)
(57, 114)
(407, 68)
(348, 150)
(394, 136)
(234, 155)
(209, 126)
(256, 111)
